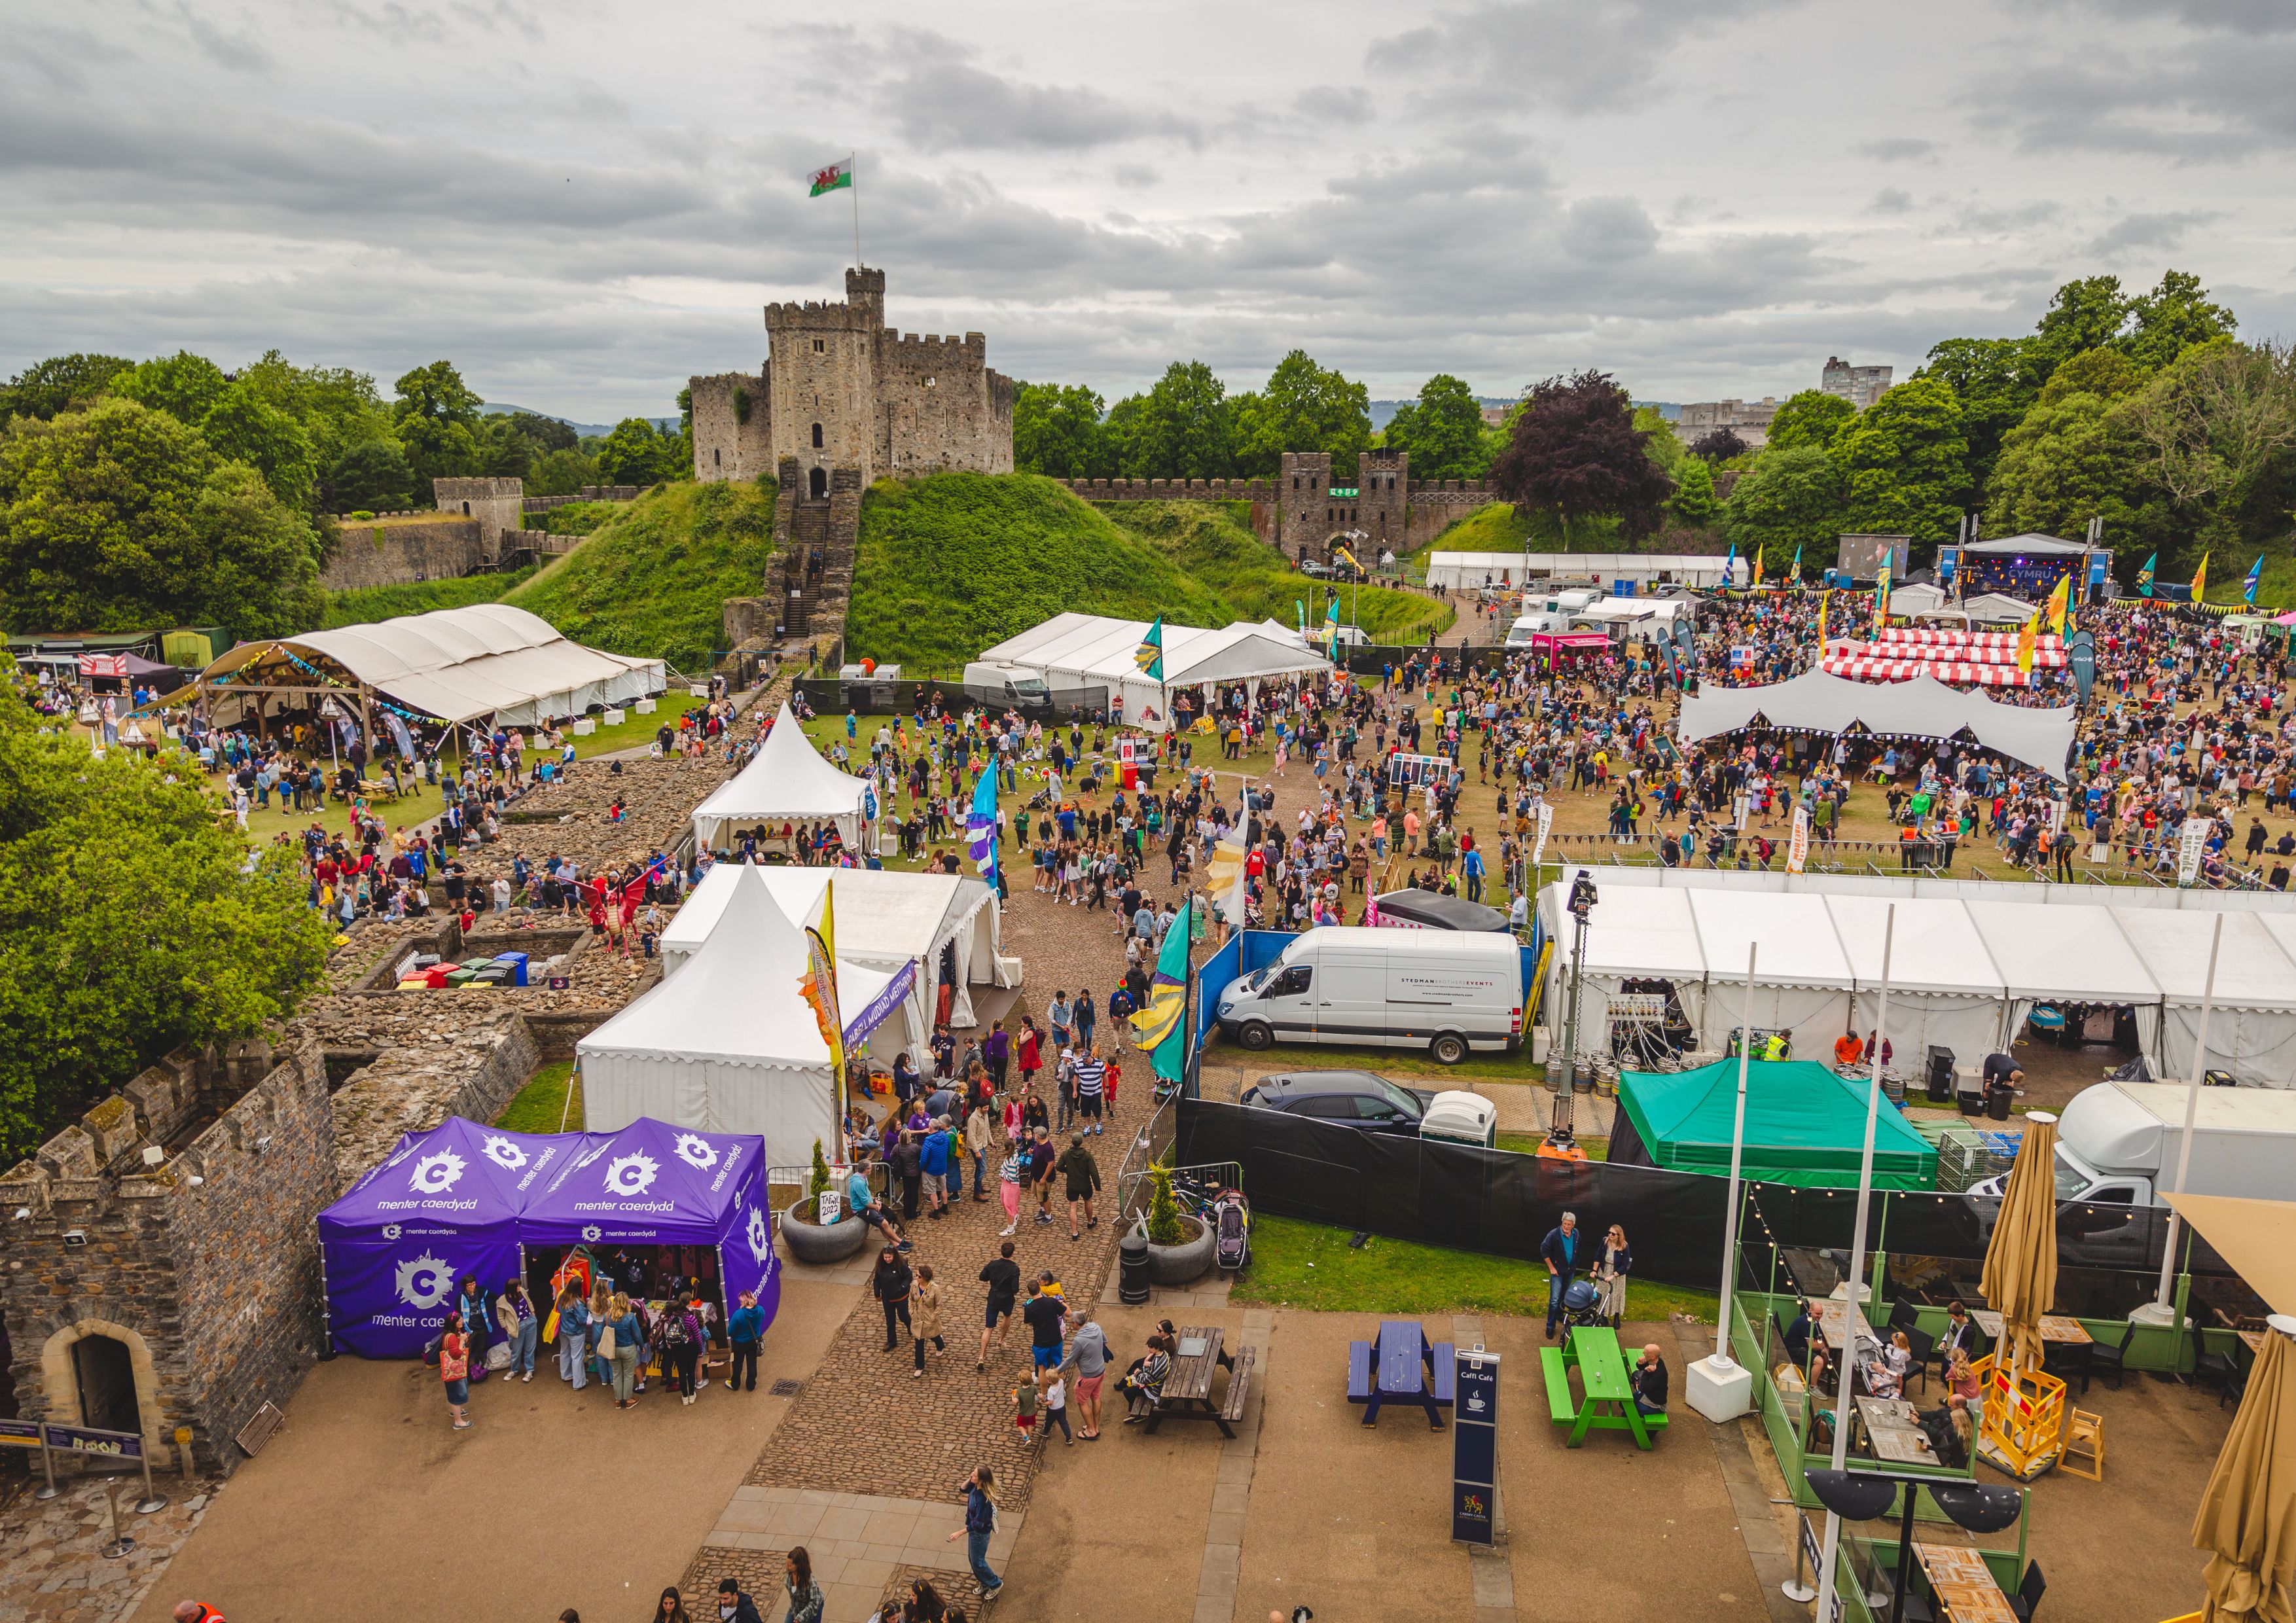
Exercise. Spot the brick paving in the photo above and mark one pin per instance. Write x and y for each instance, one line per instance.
(54, 1571)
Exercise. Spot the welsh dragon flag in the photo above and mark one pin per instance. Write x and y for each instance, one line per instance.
(830, 179)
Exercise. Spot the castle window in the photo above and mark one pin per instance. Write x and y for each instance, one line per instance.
(717, 458)
(929, 382)
(816, 436)
(820, 346)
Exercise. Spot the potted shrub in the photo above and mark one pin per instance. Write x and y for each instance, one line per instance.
(808, 1238)
(1179, 1247)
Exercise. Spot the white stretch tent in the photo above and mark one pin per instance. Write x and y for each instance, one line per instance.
(728, 1044)
(1965, 969)
(1466, 570)
(787, 782)
(1075, 650)
(1922, 708)
(488, 659)
(884, 921)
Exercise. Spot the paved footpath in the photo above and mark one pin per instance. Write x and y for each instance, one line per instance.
(866, 1469)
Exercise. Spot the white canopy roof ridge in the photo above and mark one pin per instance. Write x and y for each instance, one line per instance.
(788, 781)
(454, 664)
(1074, 650)
(2032, 542)
(1449, 569)
(1923, 707)
(1996, 608)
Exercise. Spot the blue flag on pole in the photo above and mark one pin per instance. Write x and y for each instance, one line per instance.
(981, 825)
(2248, 585)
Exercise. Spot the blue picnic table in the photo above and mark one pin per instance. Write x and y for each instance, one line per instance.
(1401, 1363)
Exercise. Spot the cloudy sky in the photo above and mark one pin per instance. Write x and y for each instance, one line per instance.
(582, 203)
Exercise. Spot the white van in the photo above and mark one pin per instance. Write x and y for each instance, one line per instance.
(1005, 684)
(1529, 626)
(1450, 992)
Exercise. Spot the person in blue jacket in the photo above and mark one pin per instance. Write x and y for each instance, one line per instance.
(935, 1157)
(745, 1327)
(1560, 1253)
(861, 1201)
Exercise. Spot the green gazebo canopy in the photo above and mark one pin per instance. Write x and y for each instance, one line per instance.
(1804, 1125)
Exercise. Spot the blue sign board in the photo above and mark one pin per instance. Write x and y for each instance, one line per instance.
(1475, 1448)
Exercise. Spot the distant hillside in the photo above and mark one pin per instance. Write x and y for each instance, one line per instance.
(587, 430)
(952, 564)
(652, 581)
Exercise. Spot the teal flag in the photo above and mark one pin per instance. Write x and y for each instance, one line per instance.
(1159, 1027)
(2248, 586)
(1150, 655)
(2145, 577)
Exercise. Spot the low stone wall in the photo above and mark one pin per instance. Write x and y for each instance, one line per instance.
(399, 550)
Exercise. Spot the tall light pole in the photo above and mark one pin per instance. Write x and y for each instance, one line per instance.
(1581, 903)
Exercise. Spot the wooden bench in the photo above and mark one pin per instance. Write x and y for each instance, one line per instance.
(1561, 1406)
(1239, 1384)
(1143, 1406)
(1446, 1374)
(1359, 1372)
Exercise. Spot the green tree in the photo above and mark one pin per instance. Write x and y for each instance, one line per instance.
(1182, 428)
(127, 928)
(1995, 380)
(433, 422)
(1790, 500)
(2085, 314)
(547, 434)
(120, 518)
(2106, 373)
(2170, 319)
(499, 449)
(2219, 426)
(1305, 407)
(184, 385)
(2073, 458)
(244, 426)
(335, 407)
(1442, 430)
(1908, 464)
(1057, 431)
(1576, 455)
(1693, 505)
(371, 477)
(1810, 418)
(635, 453)
(58, 384)
(562, 473)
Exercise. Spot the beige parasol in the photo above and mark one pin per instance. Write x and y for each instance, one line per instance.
(2248, 1512)
(2021, 1265)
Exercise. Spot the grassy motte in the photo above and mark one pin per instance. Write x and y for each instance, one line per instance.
(1306, 1265)
(953, 563)
(652, 582)
(542, 1103)
(363, 605)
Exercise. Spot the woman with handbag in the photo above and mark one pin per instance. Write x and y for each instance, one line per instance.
(454, 1370)
(617, 1344)
(1610, 1270)
(573, 1325)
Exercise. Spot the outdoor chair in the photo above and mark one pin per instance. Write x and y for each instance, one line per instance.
(2216, 1366)
(2106, 1356)
(1904, 1315)
(1924, 1345)
(2066, 1361)
(2026, 1601)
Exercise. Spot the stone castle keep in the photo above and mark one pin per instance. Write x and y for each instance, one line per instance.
(841, 390)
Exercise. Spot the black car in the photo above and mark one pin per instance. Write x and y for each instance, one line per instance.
(1354, 1098)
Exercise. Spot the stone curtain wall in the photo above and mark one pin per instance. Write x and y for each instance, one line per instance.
(1437, 505)
(1289, 516)
(392, 552)
(940, 404)
(206, 1264)
(725, 446)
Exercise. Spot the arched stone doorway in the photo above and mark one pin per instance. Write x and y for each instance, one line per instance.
(105, 1377)
(817, 484)
(97, 1373)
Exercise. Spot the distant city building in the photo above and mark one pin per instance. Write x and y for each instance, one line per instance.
(1861, 386)
(1495, 416)
(1748, 419)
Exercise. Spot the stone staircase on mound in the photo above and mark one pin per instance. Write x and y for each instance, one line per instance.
(815, 540)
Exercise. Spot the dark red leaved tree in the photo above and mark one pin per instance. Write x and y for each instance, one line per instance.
(1577, 454)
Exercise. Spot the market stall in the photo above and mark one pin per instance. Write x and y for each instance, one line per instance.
(1075, 650)
(1816, 701)
(1805, 1126)
(786, 781)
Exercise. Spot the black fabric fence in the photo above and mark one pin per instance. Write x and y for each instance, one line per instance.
(830, 696)
(1502, 1202)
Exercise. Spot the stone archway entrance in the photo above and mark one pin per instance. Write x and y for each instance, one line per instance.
(104, 1375)
(97, 1373)
(817, 484)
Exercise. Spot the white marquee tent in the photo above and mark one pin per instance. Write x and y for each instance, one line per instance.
(787, 782)
(943, 926)
(728, 1044)
(1968, 962)
(1922, 708)
(488, 660)
(1468, 571)
(1075, 650)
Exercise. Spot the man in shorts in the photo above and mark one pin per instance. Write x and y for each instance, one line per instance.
(1002, 1278)
(1091, 1347)
(1089, 1077)
(1044, 1317)
(861, 1201)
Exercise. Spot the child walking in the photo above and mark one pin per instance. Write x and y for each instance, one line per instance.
(1024, 1406)
(1056, 1405)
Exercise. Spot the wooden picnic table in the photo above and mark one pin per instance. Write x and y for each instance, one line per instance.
(1833, 1317)
(1963, 1584)
(1187, 1392)
(1401, 1363)
(1893, 1429)
(1609, 1401)
(2253, 1339)
(2054, 1327)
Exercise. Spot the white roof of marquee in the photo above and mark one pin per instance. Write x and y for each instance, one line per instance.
(455, 664)
(1922, 708)
(788, 781)
(1097, 649)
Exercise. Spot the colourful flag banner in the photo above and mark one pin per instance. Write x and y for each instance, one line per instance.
(1150, 655)
(981, 825)
(2249, 584)
(2201, 578)
(2026, 640)
(2061, 605)
(819, 983)
(836, 177)
(1159, 1027)
(2145, 577)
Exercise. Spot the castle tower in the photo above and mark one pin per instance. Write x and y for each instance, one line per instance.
(820, 381)
(1311, 515)
(1384, 487)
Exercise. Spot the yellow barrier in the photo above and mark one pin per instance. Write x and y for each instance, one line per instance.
(2024, 1418)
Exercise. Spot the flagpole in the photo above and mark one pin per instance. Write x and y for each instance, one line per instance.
(853, 184)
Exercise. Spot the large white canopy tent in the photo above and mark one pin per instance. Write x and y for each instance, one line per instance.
(1968, 961)
(787, 782)
(487, 661)
(949, 927)
(1468, 571)
(1074, 650)
(1922, 708)
(729, 1044)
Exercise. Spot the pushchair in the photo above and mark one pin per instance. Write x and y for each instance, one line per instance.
(1231, 1215)
(1582, 1304)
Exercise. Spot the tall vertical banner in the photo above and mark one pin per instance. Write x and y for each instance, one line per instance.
(819, 985)
(2192, 844)
(1798, 842)
(1538, 848)
(1475, 1448)
(1159, 1027)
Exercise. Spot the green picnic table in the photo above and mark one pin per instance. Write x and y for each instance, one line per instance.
(1608, 1403)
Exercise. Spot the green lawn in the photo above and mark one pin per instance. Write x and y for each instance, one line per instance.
(541, 1103)
(1527, 1143)
(634, 731)
(408, 810)
(1305, 1265)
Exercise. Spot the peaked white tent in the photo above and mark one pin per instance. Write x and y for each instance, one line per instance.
(728, 1044)
(1922, 708)
(1075, 650)
(788, 781)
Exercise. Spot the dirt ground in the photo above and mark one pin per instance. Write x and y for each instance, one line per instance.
(368, 1505)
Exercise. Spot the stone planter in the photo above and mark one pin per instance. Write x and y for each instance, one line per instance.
(810, 1242)
(1184, 1264)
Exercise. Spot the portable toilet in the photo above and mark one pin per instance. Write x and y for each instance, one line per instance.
(1457, 1117)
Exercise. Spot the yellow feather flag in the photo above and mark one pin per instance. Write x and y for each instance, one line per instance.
(1824, 598)
(2201, 580)
(2026, 639)
(2060, 601)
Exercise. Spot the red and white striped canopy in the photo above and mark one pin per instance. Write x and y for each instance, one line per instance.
(1859, 663)
(1976, 647)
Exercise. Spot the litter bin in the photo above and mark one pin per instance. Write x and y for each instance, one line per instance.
(1997, 1101)
(1940, 1075)
(1132, 1269)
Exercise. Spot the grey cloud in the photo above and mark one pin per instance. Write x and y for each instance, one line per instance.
(1133, 175)
(2200, 99)
(1898, 149)
(2136, 233)
(942, 101)
(1335, 104)
(1604, 230)
(2227, 16)
(1890, 200)
(239, 49)
(1576, 57)
(1991, 220)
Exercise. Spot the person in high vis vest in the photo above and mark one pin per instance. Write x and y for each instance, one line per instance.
(196, 1611)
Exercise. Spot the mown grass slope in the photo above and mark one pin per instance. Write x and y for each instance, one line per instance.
(362, 605)
(950, 564)
(652, 581)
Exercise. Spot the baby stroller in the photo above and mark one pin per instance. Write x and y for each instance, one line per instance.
(1582, 1304)
(1231, 1215)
